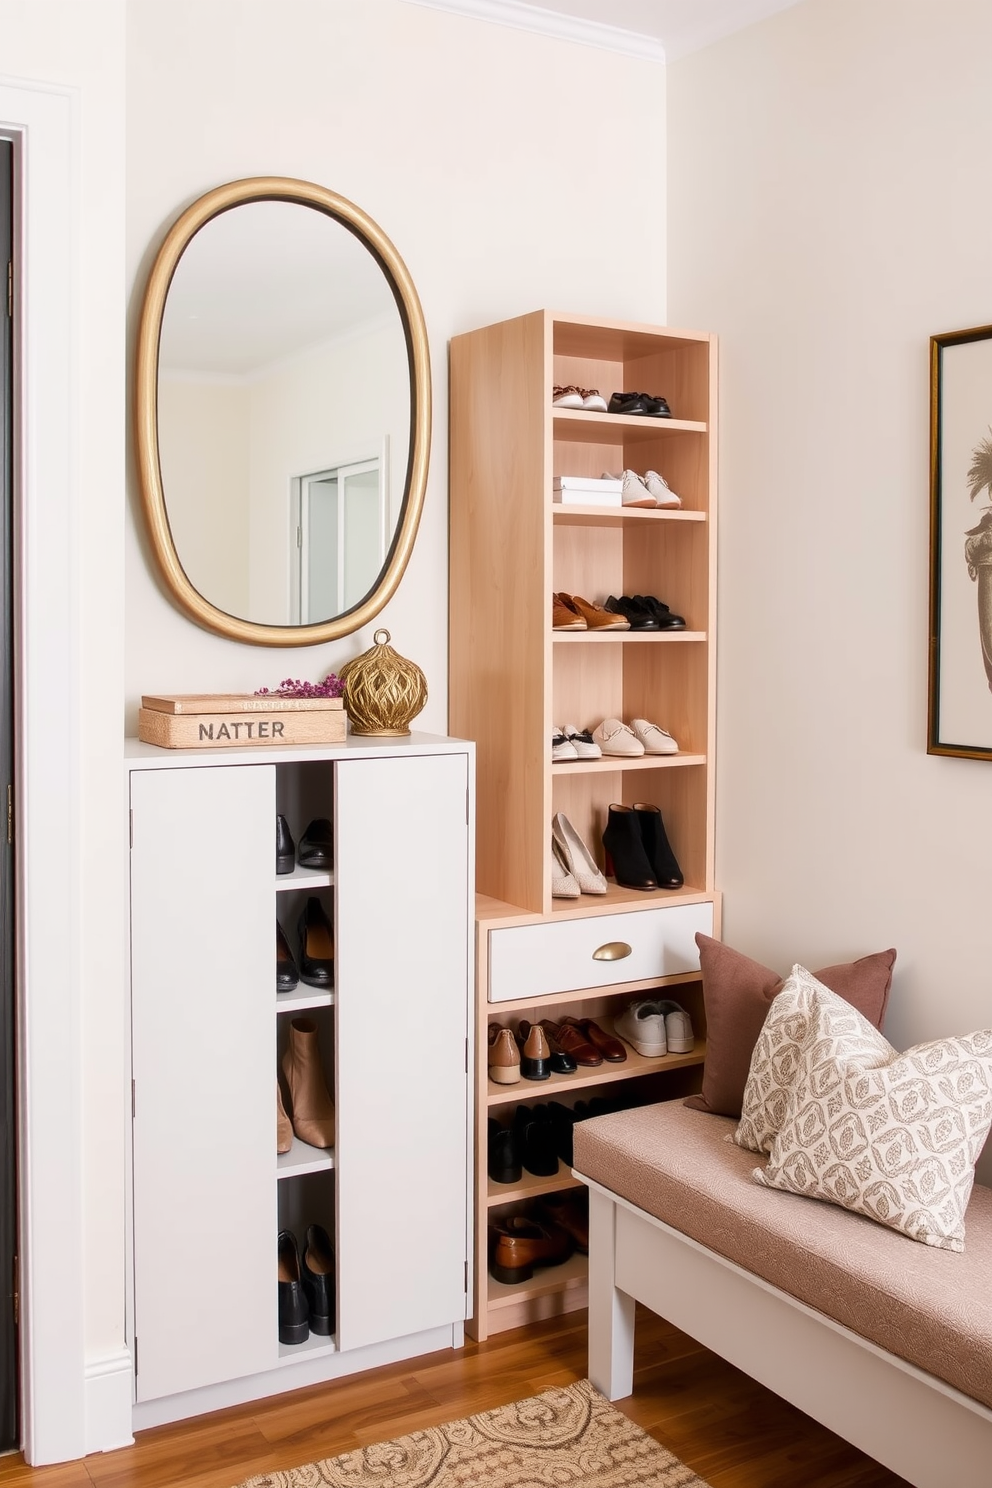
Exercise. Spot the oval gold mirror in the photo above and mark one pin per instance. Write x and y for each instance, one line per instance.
(283, 413)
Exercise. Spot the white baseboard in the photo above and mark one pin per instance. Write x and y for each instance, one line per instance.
(293, 1376)
(107, 1398)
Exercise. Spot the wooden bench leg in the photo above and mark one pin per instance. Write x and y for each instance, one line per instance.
(611, 1312)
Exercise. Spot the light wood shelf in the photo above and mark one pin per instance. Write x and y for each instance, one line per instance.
(511, 547)
(584, 1078)
(610, 763)
(531, 1187)
(625, 637)
(546, 1279)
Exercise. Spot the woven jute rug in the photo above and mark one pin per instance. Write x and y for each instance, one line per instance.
(568, 1438)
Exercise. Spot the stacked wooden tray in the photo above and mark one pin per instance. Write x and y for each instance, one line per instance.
(235, 720)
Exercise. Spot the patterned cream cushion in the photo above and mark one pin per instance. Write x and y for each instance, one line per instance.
(776, 1056)
(894, 1140)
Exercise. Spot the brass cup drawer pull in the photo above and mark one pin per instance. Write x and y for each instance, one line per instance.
(613, 950)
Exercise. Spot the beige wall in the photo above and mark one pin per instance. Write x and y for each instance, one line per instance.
(829, 211)
(510, 170)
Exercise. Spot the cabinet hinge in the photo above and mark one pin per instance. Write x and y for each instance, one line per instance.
(15, 1295)
(10, 813)
(132, 1100)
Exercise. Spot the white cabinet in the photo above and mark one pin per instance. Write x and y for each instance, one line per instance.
(209, 1194)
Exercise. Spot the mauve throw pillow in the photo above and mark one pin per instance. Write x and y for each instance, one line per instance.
(737, 993)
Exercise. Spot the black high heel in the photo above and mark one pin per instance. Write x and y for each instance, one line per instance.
(657, 846)
(626, 860)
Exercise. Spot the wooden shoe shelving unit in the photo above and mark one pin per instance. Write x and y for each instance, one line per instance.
(512, 678)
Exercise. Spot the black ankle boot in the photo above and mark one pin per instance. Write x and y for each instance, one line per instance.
(657, 846)
(626, 859)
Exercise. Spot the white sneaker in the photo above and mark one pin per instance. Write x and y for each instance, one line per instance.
(678, 1028)
(642, 1025)
(593, 400)
(655, 740)
(575, 856)
(566, 397)
(563, 885)
(582, 742)
(614, 737)
(633, 491)
(660, 489)
(561, 747)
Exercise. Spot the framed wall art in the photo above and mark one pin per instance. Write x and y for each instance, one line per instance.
(960, 693)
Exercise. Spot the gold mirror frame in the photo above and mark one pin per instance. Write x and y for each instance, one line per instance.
(189, 599)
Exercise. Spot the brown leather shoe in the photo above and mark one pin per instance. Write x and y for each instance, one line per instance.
(570, 1212)
(535, 1055)
(563, 617)
(611, 1048)
(595, 616)
(569, 1038)
(523, 1243)
(504, 1055)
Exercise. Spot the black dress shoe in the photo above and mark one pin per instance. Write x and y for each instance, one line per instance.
(666, 618)
(563, 1120)
(535, 1135)
(316, 940)
(561, 1062)
(287, 976)
(504, 1165)
(640, 617)
(657, 846)
(656, 407)
(317, 1271)
(293, 1311)
(628, 403)
(627, 862)
(285, 847)
(317, 845)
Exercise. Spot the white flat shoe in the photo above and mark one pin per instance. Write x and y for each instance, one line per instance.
(655, 740)
(660, 489)
(582, 742)
(576, 857)
(563, 885)
(614, 737)
(562, 748)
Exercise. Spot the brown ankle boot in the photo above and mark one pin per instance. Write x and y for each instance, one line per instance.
(284, 1127)
(311, 1107)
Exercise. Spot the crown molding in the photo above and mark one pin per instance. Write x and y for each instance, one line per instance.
(551, 23)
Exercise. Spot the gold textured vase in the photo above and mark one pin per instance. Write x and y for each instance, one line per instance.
(383, 691)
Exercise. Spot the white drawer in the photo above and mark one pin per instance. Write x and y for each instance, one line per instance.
(534, 960)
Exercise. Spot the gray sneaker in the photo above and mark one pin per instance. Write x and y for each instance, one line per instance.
(642, 1025)
(678, 1028)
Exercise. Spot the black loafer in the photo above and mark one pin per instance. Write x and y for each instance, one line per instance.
(503, 1164)
(294, 1326)
(316, 939)
(287, 976)
(628, 403)
(656, 407)
(285, 847)
(666, 618)
(634, 610)
(317, 845)
(317, 1271)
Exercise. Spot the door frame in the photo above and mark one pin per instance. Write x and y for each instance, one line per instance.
(42, 123)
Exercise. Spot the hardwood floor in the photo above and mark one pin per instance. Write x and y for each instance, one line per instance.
(732, 1432)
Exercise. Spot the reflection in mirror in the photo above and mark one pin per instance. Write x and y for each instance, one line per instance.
(283, 414)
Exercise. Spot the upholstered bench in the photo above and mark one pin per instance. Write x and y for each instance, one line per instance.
(885, 1341)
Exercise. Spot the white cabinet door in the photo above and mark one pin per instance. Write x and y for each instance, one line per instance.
(401, 951)
(203, 995)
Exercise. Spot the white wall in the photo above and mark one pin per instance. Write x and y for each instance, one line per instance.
(510, 170)
(829, 210)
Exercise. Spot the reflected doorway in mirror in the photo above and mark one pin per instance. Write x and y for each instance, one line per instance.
(341, 524)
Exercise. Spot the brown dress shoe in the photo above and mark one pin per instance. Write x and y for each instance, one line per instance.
(611, 1048)
(570, 1212)
(535, 1055)
(504, 1055)
(572, 1041)
(595, 616)
(564, 618)
(522, 1244)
